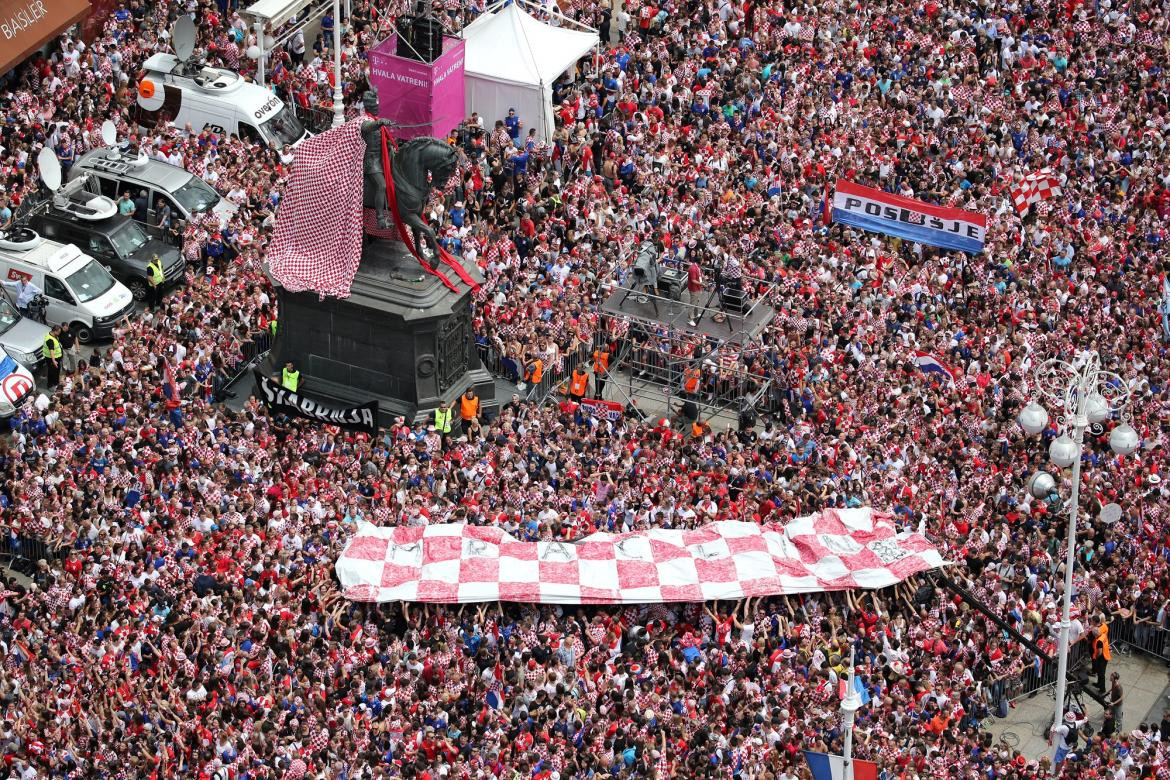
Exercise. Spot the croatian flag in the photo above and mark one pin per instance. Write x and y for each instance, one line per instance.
(930, 364)
(829, 767)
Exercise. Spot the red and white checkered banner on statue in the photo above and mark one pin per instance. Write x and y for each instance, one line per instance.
(317, 244)
(453, 563)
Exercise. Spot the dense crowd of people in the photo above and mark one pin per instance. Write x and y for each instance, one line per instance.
(192, 626)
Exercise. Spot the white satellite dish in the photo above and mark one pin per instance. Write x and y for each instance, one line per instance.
(20, 239)
(50, 168)
(109, 133)
(81, 200)
(75, 197)
(183, 38)
(1110, 513)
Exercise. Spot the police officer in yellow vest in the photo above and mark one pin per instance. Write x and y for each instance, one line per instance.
(290, 378)
(154, 274)
(444, 415)
(52, 352)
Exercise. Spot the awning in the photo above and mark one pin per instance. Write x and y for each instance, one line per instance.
(276, 12)
(25, 25)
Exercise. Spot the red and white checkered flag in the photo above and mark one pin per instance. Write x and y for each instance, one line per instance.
(450, 563)
(1034, 188)
(317, 244)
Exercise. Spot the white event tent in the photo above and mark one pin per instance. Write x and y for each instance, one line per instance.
(512, 60)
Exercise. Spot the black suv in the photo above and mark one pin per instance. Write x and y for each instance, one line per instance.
(118, 242)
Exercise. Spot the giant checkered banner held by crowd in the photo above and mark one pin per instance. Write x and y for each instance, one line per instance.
(913, 220)
(454, 563)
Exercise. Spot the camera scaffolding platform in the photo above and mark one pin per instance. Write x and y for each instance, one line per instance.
(656, 345)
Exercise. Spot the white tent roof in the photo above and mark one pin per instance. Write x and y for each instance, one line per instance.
(276, 12)
(511, 45)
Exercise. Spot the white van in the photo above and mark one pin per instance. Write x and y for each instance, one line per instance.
(82, 294)
(213, 99)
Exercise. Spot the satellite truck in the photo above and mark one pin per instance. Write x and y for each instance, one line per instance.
(75, 290)
(181, 89)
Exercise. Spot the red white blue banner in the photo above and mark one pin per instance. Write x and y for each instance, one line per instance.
(605, 410)
(825, 766)
(931, 364)
(913, 220)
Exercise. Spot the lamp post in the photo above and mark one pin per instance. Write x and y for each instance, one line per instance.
(849, 707)
(338, 97)
(1085, 396)
(261, 54)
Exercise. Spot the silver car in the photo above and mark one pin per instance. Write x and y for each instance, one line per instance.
(21, 337)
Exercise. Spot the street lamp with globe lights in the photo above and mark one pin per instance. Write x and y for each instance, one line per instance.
(1085, 396)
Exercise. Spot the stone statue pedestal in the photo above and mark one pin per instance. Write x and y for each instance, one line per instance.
(401, 338)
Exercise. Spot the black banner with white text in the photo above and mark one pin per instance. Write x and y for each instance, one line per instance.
(279, 399)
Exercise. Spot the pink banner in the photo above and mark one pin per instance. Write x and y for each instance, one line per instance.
(423, 98)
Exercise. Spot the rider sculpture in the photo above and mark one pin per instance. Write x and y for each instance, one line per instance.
(416, 166)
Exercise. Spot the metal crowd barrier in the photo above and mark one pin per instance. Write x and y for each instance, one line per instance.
(253, 351)
(21, 552)
(1143, 637)
(1146, 638)
(555, 375)
(1040, 675)
(509, 369)
(315, 119)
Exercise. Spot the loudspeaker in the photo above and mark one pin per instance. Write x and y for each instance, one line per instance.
(670, 283)
(425, 35)
(734, 299)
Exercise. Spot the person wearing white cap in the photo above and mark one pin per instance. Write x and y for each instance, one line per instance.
(1067, 734)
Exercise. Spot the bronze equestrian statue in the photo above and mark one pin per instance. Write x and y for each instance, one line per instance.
(373, 177)
(417, 166)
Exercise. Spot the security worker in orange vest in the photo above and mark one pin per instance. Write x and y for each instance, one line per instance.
(468, 410)
(699, 429)
(533, 370)
(1101, 653)
(691, 376)
(578, 384)
(600, 367)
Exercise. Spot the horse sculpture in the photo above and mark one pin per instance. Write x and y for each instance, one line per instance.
(416, 166)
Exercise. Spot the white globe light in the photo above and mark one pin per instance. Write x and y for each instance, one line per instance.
(1041, 485)
(269, 42)
(1124, 440)
(253, 52)
(1063, 451)
(1033, 418)
(1097, 409)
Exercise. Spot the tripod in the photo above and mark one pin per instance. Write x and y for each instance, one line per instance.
(1074, 698)
(717, 295)
(641, 281)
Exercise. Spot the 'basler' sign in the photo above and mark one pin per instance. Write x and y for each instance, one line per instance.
(21, 18)
(25, 25)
